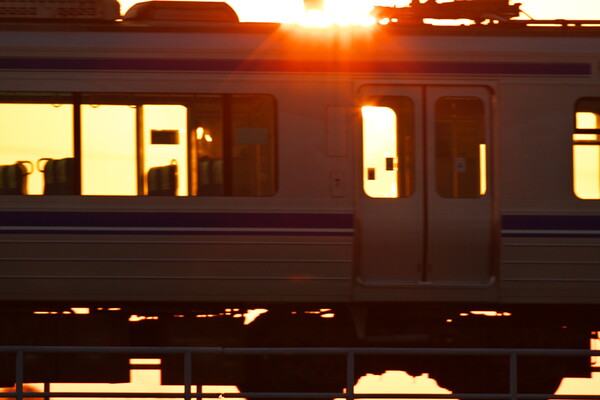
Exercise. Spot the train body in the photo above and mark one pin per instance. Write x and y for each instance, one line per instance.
(390, 171)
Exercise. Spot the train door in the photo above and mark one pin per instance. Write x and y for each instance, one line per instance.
(425, 210)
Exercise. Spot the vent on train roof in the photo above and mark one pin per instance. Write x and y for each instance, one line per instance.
(181, 11)
(81, 10)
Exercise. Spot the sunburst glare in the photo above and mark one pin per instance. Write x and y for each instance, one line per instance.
(338, 13)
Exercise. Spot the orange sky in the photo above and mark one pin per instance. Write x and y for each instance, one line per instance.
(287, 10)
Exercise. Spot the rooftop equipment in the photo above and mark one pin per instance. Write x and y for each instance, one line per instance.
(181, 11)
(476, 10)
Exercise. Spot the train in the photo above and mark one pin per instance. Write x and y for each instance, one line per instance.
(167, 172)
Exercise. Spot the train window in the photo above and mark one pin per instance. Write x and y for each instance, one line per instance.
(586, 149)
(253, 145)
(388, 147)
(134, 144)
(109, 148)
(460, 149)
(165, 157)
(31, 135)
(108, 133)
(235, 145)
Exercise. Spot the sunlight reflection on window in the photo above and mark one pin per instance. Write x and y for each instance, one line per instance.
(108, 150)
(29, 132)
(380, 172)
(167, 117)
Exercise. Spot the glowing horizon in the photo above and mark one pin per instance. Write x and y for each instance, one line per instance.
(340, 12)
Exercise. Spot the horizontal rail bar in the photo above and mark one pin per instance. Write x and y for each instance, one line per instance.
(298, 350)
(412, 351)
(295, 395)
(350, 352)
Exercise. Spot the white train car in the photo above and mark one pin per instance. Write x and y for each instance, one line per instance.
(405, 173)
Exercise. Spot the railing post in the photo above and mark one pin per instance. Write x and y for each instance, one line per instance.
(350, 358)
(187, 375)
(19, 375)
(513, 377)
(46, 390)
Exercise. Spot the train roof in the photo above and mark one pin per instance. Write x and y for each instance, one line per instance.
(139, 34)
(524, 28)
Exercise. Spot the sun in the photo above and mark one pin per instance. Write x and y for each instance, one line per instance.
(311, 13)
(339, 12)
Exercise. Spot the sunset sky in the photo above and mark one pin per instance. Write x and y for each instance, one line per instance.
(288, 10)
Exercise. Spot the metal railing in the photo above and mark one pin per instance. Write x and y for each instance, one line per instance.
(349, 353)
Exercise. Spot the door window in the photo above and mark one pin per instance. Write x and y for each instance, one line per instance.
(460, 149)
(388, 147)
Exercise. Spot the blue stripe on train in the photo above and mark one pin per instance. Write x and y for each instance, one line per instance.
(173, 222)
(551, 225)
(269, 223)
(227, 65)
